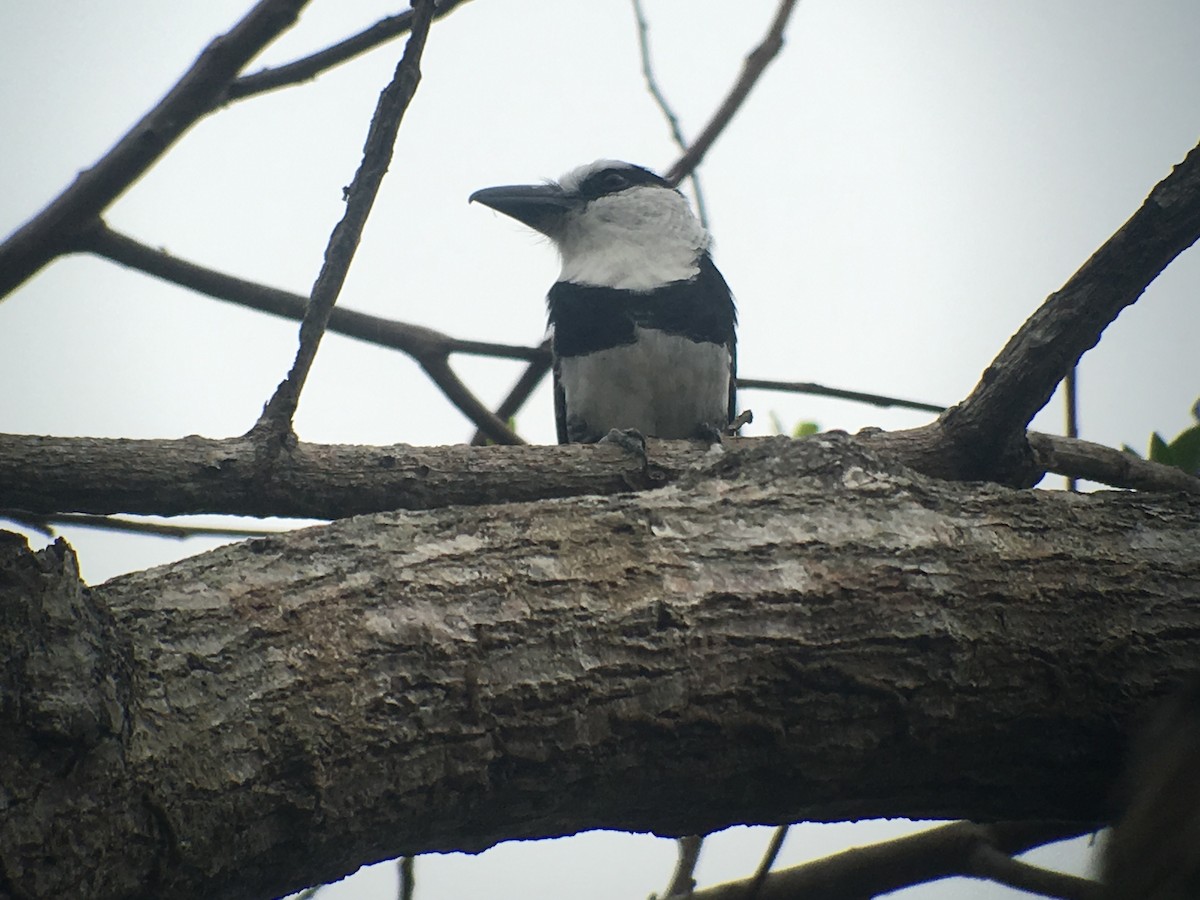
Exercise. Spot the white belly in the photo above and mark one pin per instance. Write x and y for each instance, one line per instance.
(663, 385)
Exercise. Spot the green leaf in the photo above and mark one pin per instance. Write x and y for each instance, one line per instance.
(1185, 450)
(804, 429)
(1160, 451)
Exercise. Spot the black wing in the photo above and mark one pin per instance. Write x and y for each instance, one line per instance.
(560, 407)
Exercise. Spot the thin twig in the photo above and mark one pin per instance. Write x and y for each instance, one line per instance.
(46, 525)
(276, 418)
(1070, 395)
(661, 99)
(768, 860)
(40, 239)
(806, 387)
(309, 67)
(987, 862)
(682, 880)
(408, 883)
(460, 395)
(525, 386)
(755, 64)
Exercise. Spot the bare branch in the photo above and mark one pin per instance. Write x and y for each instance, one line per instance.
(421, 343)
(989, 425)
(942, 852)
(987, 862)
(1096, 462)
(817, 390)
(428, 347)
(46, 476)
(660, 98)
(46, 524)
(309, 67)
(40, 240)
(276, 418)
(1070, 397)
(417, 341)
(460, 395)
(526, 385)
(756, 63)
(407, 878)
(768, 860)
(682, 880)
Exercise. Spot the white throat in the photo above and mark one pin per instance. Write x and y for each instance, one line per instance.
(637, 240)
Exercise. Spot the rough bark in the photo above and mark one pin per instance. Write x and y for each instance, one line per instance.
(803, 632)
(47, 475)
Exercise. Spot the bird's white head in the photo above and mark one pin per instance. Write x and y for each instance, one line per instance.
(615, 225)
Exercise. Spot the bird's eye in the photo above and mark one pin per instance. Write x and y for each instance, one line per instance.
(614, 181)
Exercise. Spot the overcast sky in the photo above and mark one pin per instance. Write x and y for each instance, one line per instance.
(906, 185)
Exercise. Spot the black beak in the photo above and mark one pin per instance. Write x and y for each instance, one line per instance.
(540, 206)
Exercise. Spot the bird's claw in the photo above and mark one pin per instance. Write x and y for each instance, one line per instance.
(631, 441)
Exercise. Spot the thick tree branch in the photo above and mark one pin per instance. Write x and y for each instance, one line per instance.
(989, 425)
(756, 63)
(309, 67)
(43, 476)
(42, 238)
(805, 632)
(275, 423)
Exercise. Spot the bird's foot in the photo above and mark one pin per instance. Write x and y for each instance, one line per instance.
(631, 441)
(745, 417)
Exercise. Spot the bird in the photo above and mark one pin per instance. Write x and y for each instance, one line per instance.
(642, 324)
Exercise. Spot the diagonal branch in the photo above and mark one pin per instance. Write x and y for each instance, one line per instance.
(988, 862)
(756, 63)
(989, 425)
(40, 239)
(309, 67)
(521, 391)
(416, 340)
(768, 860)
(942, 852)
(276, 418)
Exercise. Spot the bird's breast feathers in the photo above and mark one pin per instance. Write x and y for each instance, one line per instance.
(660, 361)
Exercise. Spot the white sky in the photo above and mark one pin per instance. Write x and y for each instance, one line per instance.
(906, 185)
